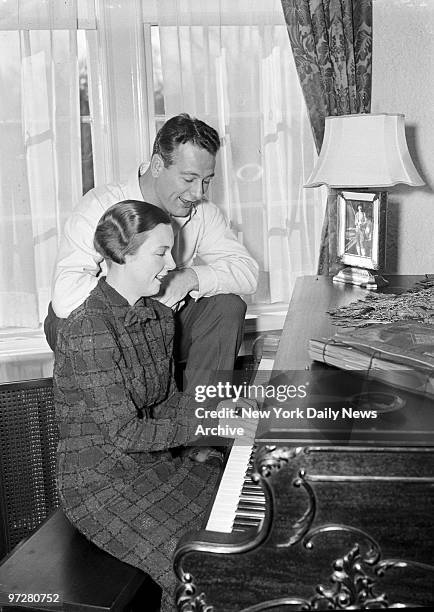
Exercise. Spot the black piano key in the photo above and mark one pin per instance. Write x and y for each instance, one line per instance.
(251, 507)
(250, 514)
(252, 499)
(247, 522)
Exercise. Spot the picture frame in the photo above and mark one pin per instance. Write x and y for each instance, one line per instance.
(361, 228)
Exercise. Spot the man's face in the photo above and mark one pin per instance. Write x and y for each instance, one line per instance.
(185, 182)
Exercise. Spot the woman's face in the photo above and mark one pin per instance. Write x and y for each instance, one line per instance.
(153, 260)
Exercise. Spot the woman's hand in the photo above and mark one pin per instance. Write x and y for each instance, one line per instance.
(200, 454)
(243, 418)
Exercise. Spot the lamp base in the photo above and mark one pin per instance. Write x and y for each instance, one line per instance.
(360, 277)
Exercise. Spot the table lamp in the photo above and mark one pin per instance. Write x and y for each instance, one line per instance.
(361, 157)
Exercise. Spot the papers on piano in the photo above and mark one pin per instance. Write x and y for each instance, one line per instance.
(398, 354)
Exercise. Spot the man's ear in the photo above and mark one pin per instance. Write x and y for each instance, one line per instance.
(157, 165)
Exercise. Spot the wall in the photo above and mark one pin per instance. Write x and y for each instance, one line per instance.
(403, 82)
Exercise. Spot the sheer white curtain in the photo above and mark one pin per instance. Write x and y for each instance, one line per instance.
(40, 160)
(231, 65)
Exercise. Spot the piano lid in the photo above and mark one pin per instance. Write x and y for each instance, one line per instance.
(333, 406)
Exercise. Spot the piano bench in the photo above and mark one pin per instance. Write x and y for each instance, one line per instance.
(59, 561)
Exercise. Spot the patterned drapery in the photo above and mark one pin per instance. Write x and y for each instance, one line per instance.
(332, 45)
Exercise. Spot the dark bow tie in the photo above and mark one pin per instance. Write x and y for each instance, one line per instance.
(137, 313)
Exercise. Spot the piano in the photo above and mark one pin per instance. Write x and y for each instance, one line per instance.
(316, 514)
(240, 502)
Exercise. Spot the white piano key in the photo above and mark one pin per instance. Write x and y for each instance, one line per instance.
(229, 492)
(234, 479)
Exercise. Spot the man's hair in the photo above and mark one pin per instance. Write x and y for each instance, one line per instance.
(181, 129)
(121, 229)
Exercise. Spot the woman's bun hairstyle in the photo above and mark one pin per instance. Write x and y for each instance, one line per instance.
(121, 229)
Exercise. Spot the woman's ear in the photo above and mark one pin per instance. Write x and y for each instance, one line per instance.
(157, 165)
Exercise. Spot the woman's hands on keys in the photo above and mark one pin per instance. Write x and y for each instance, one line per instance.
(240, 409)
(236, 419)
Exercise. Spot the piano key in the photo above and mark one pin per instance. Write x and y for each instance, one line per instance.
(249, 508)
(252, 496)
(229, 492)
(249, 514)
(236, 488)
(247, 520)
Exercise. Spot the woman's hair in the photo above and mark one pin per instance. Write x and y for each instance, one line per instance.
(121, 229)
(181, 129)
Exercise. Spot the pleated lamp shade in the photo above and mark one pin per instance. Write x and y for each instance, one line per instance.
(364, 150)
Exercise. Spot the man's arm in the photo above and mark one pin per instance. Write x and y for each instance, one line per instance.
(176, 285)
(78, 263)
(227, 265)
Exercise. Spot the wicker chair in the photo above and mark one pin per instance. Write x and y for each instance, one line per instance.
(28, 442)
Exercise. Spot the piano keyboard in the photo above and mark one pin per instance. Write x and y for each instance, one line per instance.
(240, 503)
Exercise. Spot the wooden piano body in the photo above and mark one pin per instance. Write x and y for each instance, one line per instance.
(349, 507)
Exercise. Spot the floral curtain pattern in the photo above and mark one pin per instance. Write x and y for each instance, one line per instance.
(332, 45)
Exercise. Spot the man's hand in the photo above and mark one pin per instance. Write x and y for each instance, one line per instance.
(176, 285)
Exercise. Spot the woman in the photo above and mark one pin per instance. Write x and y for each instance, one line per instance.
(360, 223)
(118, 408)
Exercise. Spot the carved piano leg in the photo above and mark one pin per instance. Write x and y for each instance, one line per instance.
(329, 541)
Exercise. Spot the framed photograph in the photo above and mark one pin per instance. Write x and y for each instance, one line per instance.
(361, 231)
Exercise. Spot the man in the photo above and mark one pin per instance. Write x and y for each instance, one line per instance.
(213, 268)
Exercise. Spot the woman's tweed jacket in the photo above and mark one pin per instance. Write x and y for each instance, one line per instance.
(119, 413)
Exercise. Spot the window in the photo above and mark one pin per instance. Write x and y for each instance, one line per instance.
(84, 105)
(45, 158)
(241, 79)
(85, 116)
